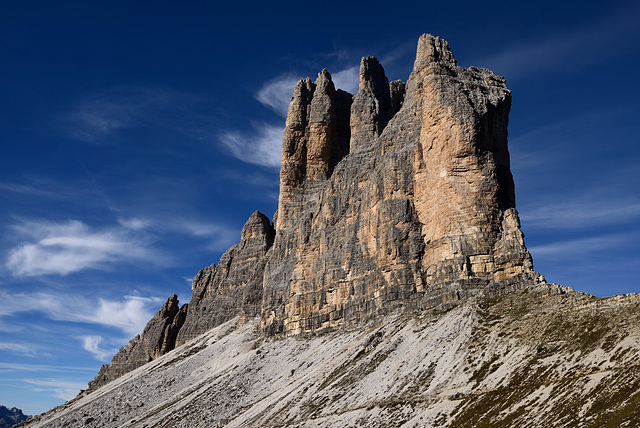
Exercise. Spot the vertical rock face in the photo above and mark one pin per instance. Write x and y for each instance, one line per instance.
(234, 287)
(372, 107)
(464, 191)
(398, 197)
(420, 214)
(157, 338)
(315, 139)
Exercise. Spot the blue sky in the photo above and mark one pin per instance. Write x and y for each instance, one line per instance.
(137, 137)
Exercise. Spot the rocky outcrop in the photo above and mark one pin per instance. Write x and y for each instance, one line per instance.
(315, 139)
(157, 338)
(420, 214)
(399, 196)
(11, 417)
(232, 288)
(372, 107)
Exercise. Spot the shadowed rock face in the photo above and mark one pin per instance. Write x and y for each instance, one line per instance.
(10, 417)
(234, 287)
(220, 293)
(400, 196)
(157, 338)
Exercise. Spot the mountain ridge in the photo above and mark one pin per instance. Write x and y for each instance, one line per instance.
(396, 226)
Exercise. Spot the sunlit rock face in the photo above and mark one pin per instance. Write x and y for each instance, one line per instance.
(420, 213)
(397, 197)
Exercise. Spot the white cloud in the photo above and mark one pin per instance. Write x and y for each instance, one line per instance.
(579, 246)
(92, 345)
(580, 214)
(129, 315)
(99, 115)
(63, 389)
(71, 246)
(262, 147)
(347, 79)
(277, 93)
(134, 223)
(17, 348)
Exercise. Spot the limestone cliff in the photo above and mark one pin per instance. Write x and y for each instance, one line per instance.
(399, 196)
(232, 288)
(397, 235)
(420, 213)
(157, 338)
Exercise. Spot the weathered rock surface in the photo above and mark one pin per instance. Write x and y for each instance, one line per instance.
(540, 357)
(234, 287)
(157, 338)
(11, 417)
(420, 213)
(231, 289)
(397, 236)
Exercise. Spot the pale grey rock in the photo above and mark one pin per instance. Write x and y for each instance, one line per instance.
(157, 338)
(232, 288)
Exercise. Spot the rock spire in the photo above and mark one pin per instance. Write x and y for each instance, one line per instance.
(399, 197)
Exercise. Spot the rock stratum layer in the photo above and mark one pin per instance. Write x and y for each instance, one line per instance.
(397, 237)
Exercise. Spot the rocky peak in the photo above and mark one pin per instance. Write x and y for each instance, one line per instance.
(157, 338)
(400, 197)
(11, 417)
(258, 226)
(315, 139)
(371, 109)
(234, 287)
(433, 49)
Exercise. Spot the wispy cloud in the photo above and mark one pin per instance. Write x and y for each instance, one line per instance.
(581, 214)
(263, 146)
(71, 246)
(92, 345)
(276, 93)
(579, 246)
(129, 315)
(219, 236)
(97, 116)
(347, 79)
(38, 368)
(609, 37)
(17, 348)
(63, 389)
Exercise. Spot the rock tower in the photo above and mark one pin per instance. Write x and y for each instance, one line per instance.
(399, 197)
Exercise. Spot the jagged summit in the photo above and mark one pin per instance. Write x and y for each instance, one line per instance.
(397, 236)
(399, 196)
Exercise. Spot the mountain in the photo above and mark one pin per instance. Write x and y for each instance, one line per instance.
(393, 287)
(11, 417)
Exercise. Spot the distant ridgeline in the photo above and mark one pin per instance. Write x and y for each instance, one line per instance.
(397, 197)
(10, 417)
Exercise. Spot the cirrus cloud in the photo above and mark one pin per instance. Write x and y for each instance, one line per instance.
(66, 247)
